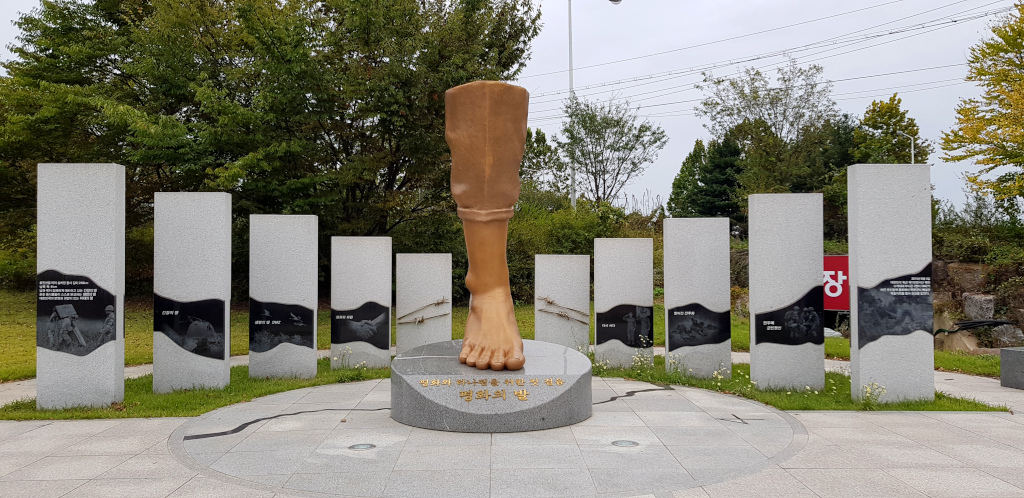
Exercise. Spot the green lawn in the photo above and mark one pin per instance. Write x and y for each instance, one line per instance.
(17, 333)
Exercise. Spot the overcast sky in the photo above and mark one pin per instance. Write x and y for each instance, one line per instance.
(857, 42)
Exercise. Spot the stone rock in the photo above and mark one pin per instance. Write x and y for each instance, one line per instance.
(1011, 370)
(979, 306)
(940, 299)
(432, 390)
(957, 341)
(1006, 336)
(832, 333)
(968, 277)
(940, 272)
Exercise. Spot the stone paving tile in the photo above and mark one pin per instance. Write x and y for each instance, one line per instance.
(612, 406)
(10, 463)
(1012, 476)
(276, 480)
(539, 457)
(326, 420)
(260, 462)
(65, 467)
(9, 429)
(39, 489)
(353, 483)
(633, 480)
(131, 444)
(640, 457)
(444, 457)
(717, 457)
(613, 419)
(426, 437)
(865, 435)
(902, 455)
(150, 467)
(662, 404)
(825, 457)
(297, 441)
(982, 453)
(955, 483)
(448, 483)
(322, 461)
(678, 419)
(690, 493)
(129, 488)
(205, 487)
(853, 483)
(560, 435)
(541, 483)
(698, 436)
(598, 435)
(772, 482)
(831, 419)
(217, 444)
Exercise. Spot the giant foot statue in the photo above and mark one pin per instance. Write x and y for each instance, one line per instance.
(485, 126)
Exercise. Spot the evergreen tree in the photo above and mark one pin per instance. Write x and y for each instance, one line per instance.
(687, 183)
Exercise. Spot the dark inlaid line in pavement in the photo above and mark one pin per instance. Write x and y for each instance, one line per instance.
(631, 393)
(244, 426)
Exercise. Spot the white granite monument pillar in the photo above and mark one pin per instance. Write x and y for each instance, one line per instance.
(787, 335)
(360, 302)
(282, 295)
(80, 285)
(624, 301)
(890, 221)
(561, 312)
(698, 330)
(191, 290)
(423, 299)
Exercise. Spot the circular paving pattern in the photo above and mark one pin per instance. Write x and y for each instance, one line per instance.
(339, 440)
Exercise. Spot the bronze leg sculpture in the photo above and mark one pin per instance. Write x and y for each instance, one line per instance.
(485, 126)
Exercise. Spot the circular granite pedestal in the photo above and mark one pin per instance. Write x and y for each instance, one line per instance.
(432, 390)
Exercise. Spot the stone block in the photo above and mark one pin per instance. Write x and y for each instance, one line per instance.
(787, 335)
(432, 390)
(1011, 367)
(890, 224)
(1006, 336)
(423, 299)
(939, 272)
(979, 306)
(968, 277)
(562, 308)
(698, 328)
(360, 302)
(624, 301)
(283, 275)
(80, 285)
(192, 290)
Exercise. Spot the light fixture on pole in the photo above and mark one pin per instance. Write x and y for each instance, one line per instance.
(913, 143)
(572, 93)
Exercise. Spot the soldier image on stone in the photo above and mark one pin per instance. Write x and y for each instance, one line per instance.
(643, 316)
(794, 323)
(109, 323)
(630, 329)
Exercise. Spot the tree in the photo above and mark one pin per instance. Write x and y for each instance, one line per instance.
(879, 139)
(990, 129)
(800, 99)
(718, 181)
(541, 161)
(686, 184)
(608, 146)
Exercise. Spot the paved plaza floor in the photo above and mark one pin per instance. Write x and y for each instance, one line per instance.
(688, 442)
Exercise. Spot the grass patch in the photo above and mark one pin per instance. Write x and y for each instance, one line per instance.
(835, 395)
(140, 402)
(986, 365)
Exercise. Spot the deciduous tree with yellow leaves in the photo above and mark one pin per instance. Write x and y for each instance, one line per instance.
(990, 129)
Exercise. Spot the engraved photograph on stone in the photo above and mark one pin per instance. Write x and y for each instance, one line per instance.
(273, 324)
(367, 323)
(195, 326)
(799, 323)
(896, 306)
(73, 314)
(632, 325)
(695, 325)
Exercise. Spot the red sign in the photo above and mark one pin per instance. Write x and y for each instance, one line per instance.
(837, 283)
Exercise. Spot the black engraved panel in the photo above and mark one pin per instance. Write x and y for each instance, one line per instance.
(271, 324)
(367, 323)
(196, 326)
(695, 325)
(798, 323)
(73, 314)
(631, 324)
(896, 306)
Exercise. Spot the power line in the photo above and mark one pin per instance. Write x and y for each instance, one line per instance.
(810, 21)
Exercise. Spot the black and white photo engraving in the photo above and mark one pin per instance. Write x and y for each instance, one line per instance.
(798, 323)
(73, 314)
(695, 325)
(272, 324)
(896, 306)
(630, 324)
(368, 323)
(196, 326)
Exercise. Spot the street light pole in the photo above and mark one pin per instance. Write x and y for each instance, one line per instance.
(913, 143)
(572, 93)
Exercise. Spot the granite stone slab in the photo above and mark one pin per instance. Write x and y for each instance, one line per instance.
(423, 299)
(432, 390)
(80, 289)
(192, 288)
(1011, 367)
(697, 296)
(787, 337)
(624, 301)
(890, 223)
(562, 292)
(360, 302)
(283, 275)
